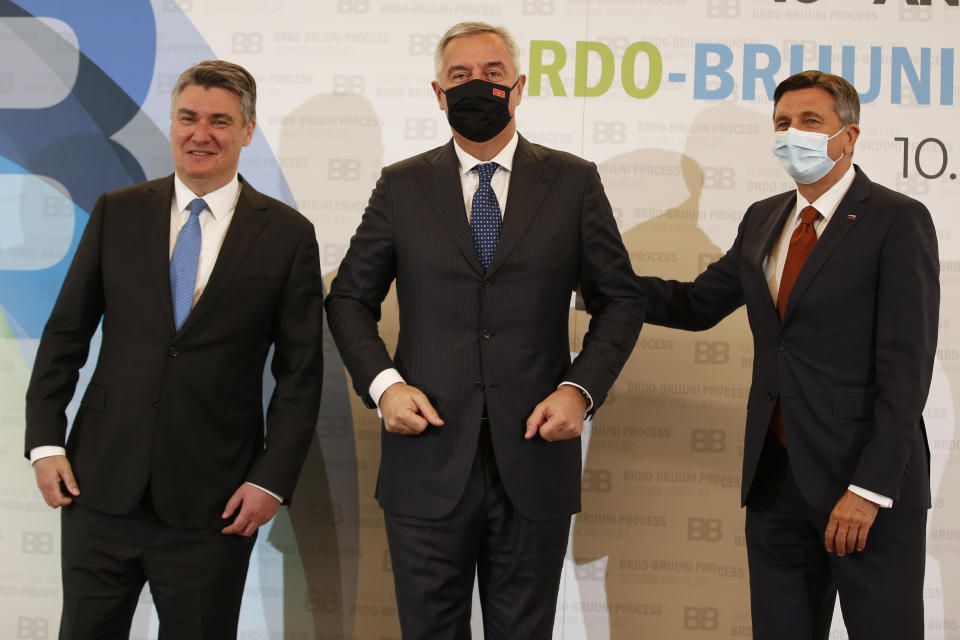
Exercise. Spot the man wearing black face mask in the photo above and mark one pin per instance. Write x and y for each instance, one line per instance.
(486, 237)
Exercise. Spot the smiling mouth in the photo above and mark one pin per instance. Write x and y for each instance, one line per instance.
(200, 153)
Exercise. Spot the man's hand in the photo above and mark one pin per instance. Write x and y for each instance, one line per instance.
(406, 410)
(257, 507)
(50, 472)
(559, 416)
(850, 521)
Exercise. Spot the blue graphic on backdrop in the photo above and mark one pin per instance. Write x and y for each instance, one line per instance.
(71, 141)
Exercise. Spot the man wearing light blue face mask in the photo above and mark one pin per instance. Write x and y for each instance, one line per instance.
(840, 280)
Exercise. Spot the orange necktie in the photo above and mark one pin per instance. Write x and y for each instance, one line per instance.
(801, 244)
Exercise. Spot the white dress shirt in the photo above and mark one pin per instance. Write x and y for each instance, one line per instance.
(469, 181)
(827, 205)
(214, 222)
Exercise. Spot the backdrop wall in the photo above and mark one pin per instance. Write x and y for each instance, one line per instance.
(671, 98)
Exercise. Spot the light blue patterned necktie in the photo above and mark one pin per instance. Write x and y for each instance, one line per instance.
(183, 266)
(485, 215)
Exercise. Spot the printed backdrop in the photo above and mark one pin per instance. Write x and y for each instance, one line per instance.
(671, 98)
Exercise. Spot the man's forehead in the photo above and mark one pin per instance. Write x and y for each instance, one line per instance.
(795, 102)
(194, 96)
(465, 48)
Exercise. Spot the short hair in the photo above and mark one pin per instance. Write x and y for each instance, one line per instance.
(472, 28)
(846, 100)
(224, 75)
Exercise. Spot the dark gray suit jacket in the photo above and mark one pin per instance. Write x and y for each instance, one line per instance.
(852, 359)
(501, 338)
(183, 410)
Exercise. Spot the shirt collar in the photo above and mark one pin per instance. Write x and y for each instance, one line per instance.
(504, 158)
(830, 200)
(219, 202)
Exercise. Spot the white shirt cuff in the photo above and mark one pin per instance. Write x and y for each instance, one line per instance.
(265, 491)
(876, 498)
(384, 379)
(45, 452)
(586, 394)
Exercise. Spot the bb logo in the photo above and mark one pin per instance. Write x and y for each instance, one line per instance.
(323, 600)
(723, 9)
(708, 441)
(701, 618)
(33, 628)
(343, 169)
(353, 6)
(719, 178)
(36, 543)
(419, 128)
(251, 42)
(711, 352)
(597, 480)
(609, 132)
(423, 44)
(349, 85)
(704, 529)
(537, 7)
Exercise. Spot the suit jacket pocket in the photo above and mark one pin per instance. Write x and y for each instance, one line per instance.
(854, 406)
(94, 398)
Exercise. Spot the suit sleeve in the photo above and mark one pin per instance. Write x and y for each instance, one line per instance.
(362, 283)
(908, 304)
(297, 368)
(701, 304)
(65, 342)
(611, 295)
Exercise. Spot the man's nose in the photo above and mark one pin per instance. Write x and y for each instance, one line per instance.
(201, 131)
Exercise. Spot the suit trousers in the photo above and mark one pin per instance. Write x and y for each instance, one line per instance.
(196, 576)
(517, 563)
(794, 582)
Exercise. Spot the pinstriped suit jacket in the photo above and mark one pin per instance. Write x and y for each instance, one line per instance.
(501, 338)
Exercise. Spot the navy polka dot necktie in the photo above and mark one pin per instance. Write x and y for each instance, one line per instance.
(485, 215)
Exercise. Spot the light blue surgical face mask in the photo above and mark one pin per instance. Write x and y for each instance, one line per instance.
(803, 154)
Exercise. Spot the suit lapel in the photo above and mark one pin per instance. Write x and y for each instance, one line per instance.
(441, 183)
(248, 220)
(850, 210)
(770, 232)
(530, 182)
(155, 215)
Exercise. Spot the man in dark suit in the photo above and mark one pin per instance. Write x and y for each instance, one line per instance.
(167, 474)
(840, 279)
(482, 407)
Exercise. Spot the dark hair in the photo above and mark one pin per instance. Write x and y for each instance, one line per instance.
(225, 75)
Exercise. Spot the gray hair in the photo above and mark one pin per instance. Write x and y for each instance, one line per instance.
(224, 75)
(846, 100)
(473, 28)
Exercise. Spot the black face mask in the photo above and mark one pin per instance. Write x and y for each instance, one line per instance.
(478, 110)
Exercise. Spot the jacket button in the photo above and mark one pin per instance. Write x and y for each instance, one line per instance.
(156, 403)
(485, 284)
(486, 335)
(782, 346)
(478, 386)
(772, 395)
(172, 352)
